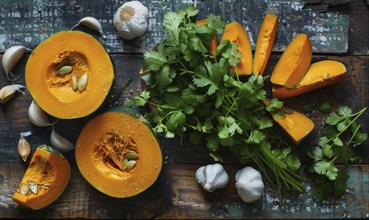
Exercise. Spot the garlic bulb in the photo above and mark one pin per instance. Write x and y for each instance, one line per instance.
(212, 177)
(60, 142)
(7, 92)
(130, 20)
(249, 184)
(10, 58)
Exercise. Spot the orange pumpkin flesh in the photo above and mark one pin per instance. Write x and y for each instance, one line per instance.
(319, 75)
(54, 93)
(296, 125)
(214, 42)
(235, 33)
(294, 62)
(102, 147)
(49, 172)
(264, 43)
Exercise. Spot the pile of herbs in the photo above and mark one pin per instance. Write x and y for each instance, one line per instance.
(197, 95)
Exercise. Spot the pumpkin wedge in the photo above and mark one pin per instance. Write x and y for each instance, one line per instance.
(45, 179)
(214, 42)
(294, 62)
(69, 74)
(319, 75)
(264, 43)
(296, 125)
(235, 33)
(118, 153)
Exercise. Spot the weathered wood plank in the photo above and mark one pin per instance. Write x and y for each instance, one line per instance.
(190, 201)
(81, 200)
(30, 22)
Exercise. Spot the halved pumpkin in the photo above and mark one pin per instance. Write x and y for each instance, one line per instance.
(45, 179)
(296, 125)
(319, 75)
(61, 92)
(294, 62)
(265, 42)
(118, 153)
(235, 33)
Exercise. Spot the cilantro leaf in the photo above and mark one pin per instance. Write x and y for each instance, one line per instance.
(142, 98)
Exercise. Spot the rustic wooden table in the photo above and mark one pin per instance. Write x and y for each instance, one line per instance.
(338, 32)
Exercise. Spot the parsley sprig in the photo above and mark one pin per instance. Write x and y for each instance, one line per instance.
(196, 95)
(341, 133)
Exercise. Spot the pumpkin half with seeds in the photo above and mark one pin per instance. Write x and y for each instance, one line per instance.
(45, 179)
(118, 153)
(69, 74)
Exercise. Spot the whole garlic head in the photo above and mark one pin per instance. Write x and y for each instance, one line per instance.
(130, 20)
(249, 184)
(212, 177)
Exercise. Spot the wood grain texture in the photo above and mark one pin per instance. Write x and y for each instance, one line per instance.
(32, 21)
(190, 201)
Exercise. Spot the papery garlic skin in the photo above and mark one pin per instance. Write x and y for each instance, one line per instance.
(249, 184)
(7, 92)
(37, 116)
(130, 20)
(11, 57)
(212, 177)
(60, 142)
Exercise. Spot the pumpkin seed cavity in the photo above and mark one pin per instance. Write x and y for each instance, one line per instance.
(115, 151)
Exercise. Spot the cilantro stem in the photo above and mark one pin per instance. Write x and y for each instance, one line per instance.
(357, 115)
(353, 134)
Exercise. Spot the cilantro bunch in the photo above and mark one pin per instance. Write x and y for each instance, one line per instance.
(196, 95)
(339, 136)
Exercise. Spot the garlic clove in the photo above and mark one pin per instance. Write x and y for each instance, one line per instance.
(7, 92)
(212, 177)
(92, 23)
(200, 176)
(37, 116)
(249, 184)
(10, 58)
(60, 142)
(24, 149)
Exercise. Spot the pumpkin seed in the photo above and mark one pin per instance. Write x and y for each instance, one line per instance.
(82, 82)
(33, 187)
(64, 70)
(131, 155)
(63, 63)
(74, 82)
(130, 165)
(288, 110)
(24, 189)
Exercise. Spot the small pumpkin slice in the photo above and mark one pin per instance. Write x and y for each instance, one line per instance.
(294, 62)
(296, 125)
(214, 42)
(319, 75)
(45, 179)
(235, 33)
(264, 43)
(118, 153)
